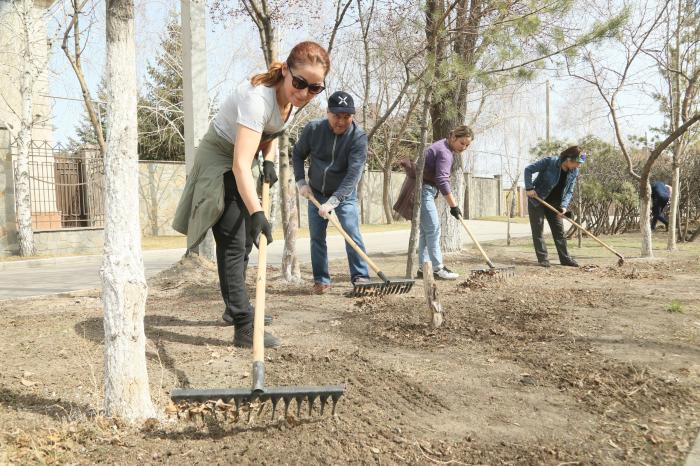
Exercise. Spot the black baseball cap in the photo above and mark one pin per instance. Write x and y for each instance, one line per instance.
(341, 102)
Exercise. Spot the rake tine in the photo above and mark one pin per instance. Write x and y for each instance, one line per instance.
(311, 399)
(323, 403)
(286, 407)
(299, 399)
(262, 406)
(274, 400)
(238, 405)
(335, 403)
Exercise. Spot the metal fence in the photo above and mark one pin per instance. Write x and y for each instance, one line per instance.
(66, 187)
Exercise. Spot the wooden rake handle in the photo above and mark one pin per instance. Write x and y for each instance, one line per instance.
(574, 223)
(260, 284)
(336, 223)
(481, 250)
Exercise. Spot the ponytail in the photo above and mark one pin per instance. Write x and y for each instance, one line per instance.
(270, 78)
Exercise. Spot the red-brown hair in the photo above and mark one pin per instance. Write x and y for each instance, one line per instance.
(304, 53)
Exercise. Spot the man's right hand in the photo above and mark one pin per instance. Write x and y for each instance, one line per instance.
(259, 225)
(305, 191)
(531, 193)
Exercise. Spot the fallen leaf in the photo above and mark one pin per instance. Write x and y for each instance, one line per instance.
(27, 383)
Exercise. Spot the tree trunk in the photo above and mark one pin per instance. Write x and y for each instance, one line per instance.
(195, 95)
(511, 213)
(386, 192)
(290, 262)
(645, 216)
(124, 290)
(451, 231)
(22, 192)
(420, 165)
(675, 194)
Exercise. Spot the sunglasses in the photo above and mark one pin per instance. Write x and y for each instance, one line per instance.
(300, 83)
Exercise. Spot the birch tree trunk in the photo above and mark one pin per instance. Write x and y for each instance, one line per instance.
(645, 217)
(420, 166)
(386, 191)
(124, 290)
(290, 262)
(673, 210)
(22, 195)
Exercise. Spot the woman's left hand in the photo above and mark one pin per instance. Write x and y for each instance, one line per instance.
(269, 174)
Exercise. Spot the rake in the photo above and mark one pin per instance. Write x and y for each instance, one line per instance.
(259, 393)
(381, 287)
(620, 260)
(502, 272)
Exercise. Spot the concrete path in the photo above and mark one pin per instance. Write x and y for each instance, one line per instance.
(61, 274)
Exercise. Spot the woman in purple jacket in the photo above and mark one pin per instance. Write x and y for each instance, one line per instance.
(436, 179)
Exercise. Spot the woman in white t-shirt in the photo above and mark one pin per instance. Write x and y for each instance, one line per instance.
(220, 192)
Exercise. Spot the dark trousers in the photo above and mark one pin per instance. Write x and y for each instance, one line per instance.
(658, 204)
(556, 225)
(233, 248)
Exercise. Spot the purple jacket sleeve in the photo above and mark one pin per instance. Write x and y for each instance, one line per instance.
(443, 167)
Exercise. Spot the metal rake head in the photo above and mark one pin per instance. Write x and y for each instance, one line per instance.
(242, 401)
(498, 273)
(381, 287)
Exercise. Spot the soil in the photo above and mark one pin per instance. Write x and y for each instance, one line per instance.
(552, 366)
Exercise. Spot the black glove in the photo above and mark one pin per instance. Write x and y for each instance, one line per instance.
(567, 214)
(269, 173)
(455, 212)
(259, 224)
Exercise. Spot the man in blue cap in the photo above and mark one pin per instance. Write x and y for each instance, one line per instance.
(337, 149)
(555, 182)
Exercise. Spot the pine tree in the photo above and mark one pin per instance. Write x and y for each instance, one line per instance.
(161, 119)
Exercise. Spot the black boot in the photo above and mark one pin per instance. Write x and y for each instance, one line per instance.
(228, 318)
(544, 263)
(243, 337)
(569, 263)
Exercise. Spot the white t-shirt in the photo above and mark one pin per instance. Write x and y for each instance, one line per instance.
(254, 107)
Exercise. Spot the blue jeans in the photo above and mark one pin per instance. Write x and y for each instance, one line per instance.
(429, 239)
(347, 214)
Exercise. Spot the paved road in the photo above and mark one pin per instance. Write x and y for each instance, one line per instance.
(47, 276)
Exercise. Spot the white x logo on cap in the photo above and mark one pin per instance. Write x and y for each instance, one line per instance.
(342, 100)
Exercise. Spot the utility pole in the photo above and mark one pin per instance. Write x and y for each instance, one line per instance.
(547, 111)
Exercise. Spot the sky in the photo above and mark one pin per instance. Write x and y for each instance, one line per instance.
(503, 138)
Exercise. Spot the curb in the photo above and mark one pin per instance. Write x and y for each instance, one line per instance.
(39, 263)
(693, 458)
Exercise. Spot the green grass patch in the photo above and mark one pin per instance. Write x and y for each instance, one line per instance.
(675, 307)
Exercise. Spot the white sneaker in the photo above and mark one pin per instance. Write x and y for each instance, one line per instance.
(446, 274)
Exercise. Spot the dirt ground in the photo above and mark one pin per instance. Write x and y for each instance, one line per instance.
(599, 365)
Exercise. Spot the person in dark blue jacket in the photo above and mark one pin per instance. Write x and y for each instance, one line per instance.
(660, 195)
(337, 149)
(555, 182)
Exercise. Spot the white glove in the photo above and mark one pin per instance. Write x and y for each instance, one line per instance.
(305, 191)
(325, 209)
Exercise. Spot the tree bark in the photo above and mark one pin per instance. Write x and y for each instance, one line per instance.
(435, 313)
(23, 204)
(124, 289)
(420, 165)
(673, 210)
(645, 216)
(386, 191)
(290, 262)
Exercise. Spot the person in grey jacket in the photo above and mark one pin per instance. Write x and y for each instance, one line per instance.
(337, 149)
(555, 182)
